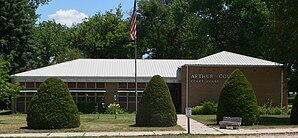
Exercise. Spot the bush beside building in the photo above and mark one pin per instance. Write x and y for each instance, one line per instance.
(156, 107)
(52, 107)
(237, 99)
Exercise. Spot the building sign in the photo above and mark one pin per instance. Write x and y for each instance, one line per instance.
(207, 78)
(188, 112)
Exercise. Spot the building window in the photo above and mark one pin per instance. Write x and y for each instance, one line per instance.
(100, 85)
(72, 85)
(131, 85)
(122, 85)
(81, 85)
(90, 85)
(30, 85)
(38, 84)
(127, 100)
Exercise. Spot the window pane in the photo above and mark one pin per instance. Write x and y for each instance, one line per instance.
(29, 84)
(91, 85)
(131, 99)
(81, 85)
(122, 99)
(122, 85)
(122, 94)
(100, 85)
(131, 94)
(131, 85)
(72, 85)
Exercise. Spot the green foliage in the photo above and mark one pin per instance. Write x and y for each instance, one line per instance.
(268, 109)
(205, 107)
(16, 29)
(7, 90)
(101, 34)
(233, 25)
(156, 107)
(237, 99)
(86, 107)
(52, 107)
(274, 110)
(294, 112)
(52, 41)
(166, 30)
(35, 3)
(281, 38)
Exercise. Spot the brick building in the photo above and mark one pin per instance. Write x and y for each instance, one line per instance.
(99, 80)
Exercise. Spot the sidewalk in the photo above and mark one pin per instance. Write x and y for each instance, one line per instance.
(196, 128)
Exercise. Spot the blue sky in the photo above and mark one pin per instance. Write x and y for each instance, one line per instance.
(70, 12)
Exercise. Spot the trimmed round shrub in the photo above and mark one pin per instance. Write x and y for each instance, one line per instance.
(294, 112)
(156, 108)
(52, 107)
(237, 99)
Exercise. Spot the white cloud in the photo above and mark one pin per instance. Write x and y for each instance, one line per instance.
(68, 17)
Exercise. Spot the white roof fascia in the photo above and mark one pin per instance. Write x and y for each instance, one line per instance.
(87, 90)
(95, 79)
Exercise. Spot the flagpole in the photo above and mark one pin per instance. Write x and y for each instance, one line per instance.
(136, 53)
(136, 83)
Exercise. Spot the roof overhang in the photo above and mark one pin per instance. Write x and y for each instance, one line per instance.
(79, 91)
(224, 65)
(93, 79)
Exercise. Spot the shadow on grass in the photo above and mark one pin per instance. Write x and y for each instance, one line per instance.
(134, 125)
(274, 121)
(24, 127)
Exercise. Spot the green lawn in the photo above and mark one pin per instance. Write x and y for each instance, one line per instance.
(266, 121)
(16, 123)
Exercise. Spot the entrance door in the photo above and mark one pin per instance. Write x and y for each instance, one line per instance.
(175, 90)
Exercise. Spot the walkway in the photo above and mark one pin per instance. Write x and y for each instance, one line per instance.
(196, 128)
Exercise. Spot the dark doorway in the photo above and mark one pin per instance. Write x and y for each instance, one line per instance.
(175, 90)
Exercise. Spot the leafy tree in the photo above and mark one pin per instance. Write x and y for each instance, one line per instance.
(35, 3)
(103, 36)
(233, 25)
(52, 41)
(16, 28)
(7, 90)
(52, 107)
(237, 99)
(280, 42)
(166, 30)
(156, 107)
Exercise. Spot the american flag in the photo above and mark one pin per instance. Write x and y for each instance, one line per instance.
(133, 24)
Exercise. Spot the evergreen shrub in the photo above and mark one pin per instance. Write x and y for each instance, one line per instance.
(52, 107)
(237, 99)
(294, 112)
(156, 107)
(205, 107)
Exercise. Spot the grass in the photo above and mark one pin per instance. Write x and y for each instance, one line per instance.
(266, 121)
(16, 123)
